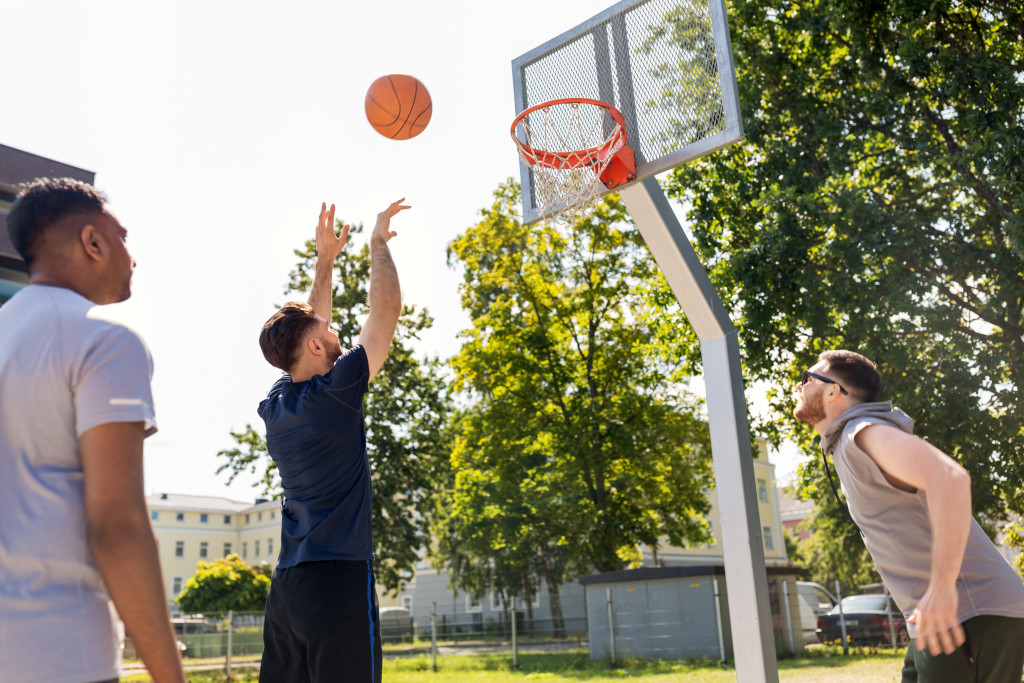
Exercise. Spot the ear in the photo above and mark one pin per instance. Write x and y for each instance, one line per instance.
(92, 242)
(314, 346)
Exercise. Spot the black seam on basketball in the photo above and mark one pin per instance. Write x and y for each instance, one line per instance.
(385, 110)
(415, 121)
(412, 107)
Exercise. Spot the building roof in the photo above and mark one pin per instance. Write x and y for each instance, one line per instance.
(181, 501)
(791, 507)
(17, 166)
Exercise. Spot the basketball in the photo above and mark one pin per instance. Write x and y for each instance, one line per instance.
(398, 106)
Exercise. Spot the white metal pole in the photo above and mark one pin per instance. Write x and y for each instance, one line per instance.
(745, 574)
(611, 622)
(227, 659)
(842, 620)
(433, 633)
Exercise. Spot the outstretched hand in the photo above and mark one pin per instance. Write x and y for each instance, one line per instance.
(938, 629)
(328, 244)
(382, 230)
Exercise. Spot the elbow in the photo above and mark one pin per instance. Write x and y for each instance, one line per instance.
(106, 536)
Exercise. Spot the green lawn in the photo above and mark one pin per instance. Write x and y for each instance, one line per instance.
(571, 667)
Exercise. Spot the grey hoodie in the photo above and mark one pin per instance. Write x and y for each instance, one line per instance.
(898, 532)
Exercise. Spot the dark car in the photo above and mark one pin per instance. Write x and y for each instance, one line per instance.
(867, 621)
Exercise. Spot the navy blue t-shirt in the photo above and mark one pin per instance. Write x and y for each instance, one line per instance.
(315, 434)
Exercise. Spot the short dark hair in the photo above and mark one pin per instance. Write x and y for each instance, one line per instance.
(42, 203)
(284, 332)
(857, 374)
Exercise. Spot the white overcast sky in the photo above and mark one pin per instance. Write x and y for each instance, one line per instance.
(217, 128)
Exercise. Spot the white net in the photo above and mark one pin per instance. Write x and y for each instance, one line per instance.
(568, 145)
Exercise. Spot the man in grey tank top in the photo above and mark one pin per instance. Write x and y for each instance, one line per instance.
(963, 602)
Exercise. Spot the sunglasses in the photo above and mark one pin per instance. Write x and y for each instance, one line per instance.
(806, 377)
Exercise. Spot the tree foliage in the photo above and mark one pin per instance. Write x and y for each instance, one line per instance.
(225, 584)
(877, 204)
(406, 410)
(578, 446)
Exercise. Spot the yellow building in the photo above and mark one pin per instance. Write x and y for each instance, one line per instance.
(768, 510)
(189, 529)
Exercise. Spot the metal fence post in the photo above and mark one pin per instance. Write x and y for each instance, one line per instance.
(611, 622)
(515, 646)
(789, 618)
(718, 621)
(888, 617)
(842, 620)
(433, 633)
(227, 658)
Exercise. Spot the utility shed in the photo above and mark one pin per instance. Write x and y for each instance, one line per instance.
(679, 612)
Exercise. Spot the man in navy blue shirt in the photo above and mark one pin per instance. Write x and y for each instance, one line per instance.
(321, 620)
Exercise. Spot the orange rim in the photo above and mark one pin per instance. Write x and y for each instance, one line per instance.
(572, 158)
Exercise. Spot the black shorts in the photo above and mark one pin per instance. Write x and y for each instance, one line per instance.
(322, 624)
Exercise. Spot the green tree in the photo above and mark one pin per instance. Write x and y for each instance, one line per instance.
(580, 445)
(225, 584)
(406, 410)
(877, 204)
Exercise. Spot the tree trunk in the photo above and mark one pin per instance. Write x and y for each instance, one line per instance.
(556, 609)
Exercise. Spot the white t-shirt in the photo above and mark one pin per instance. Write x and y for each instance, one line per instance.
(63, 370)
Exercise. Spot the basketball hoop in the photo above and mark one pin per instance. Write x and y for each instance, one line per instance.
(574, 146)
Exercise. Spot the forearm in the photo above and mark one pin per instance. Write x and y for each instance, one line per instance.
(384, 296)
(126, 555)
(949, 508)
(321, 294)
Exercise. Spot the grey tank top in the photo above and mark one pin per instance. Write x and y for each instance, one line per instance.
(897, 530)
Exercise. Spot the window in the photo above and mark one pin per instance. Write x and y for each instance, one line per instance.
(227, 549)
(259, 516)
(227, 519)
(176, 585)
(247, 519)
(711, 530)
(406, 601)
(154, 515)
(245, 550)
(273, 514)
(179, 548)
(769, 538)
(204, 549)
(495, 601)
(473, 604)
(180, 517)
(270, 547)
(762, 490)
(204, 518)
(255, 548)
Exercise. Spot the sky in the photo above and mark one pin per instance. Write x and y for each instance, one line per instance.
(218, 128)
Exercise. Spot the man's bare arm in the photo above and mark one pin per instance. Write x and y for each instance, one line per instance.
(121, 539)
(384, 296)
(328, 246)
(912, 463)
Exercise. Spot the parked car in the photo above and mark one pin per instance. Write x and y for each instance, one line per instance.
(867, 621)
(814, 601)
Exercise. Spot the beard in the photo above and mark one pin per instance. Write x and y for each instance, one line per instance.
(333, 347)
(810, 410)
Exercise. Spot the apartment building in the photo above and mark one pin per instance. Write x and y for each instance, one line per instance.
(190, 529)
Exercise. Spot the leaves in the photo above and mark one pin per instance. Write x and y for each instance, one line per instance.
(225, 584)
(876, 205)
(576, 445)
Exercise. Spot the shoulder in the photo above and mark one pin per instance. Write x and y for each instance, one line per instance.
(351, 368)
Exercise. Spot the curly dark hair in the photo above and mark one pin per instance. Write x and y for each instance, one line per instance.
(44, 202)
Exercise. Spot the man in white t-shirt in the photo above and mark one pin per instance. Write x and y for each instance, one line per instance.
(75, 406)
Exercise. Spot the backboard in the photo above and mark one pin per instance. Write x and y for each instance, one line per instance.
(665, 64)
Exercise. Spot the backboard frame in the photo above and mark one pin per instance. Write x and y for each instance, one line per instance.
(622, 97)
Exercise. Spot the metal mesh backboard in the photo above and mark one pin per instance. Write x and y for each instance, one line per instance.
(665, 64)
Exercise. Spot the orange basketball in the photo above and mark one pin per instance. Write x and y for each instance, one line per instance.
(398, 106)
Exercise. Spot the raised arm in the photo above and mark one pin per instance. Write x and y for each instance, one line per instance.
(384, 296)
(121, 539)
(328, 246)
(911, 463)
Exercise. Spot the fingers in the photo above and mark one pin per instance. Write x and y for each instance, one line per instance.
(330, 218)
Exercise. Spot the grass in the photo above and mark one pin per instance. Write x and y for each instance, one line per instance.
(572, 667)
